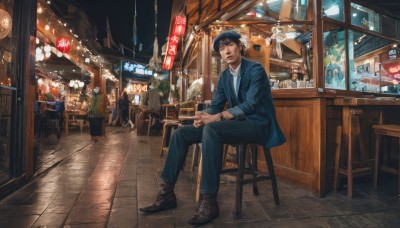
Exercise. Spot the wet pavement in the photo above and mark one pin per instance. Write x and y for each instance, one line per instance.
(83, 183)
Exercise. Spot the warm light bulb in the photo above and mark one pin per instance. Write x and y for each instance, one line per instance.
(47, 27)
(47, 48)
(38, 50)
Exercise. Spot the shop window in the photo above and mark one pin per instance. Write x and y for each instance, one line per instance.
(288, 55)
(7, 89)
(333, 9)
(363, 17)
(276, 10)
(334, 59)
(374, 64)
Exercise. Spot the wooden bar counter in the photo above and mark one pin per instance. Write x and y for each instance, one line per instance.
(309, 122)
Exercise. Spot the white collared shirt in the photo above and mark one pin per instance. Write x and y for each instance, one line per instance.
(235, 73)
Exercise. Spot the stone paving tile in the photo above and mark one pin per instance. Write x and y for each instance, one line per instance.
(50, 220)
(123, 217)
(102, 184)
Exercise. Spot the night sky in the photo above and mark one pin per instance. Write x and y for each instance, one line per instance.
(121, 16)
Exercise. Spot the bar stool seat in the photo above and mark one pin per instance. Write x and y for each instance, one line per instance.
(241, 149)
(391, 131)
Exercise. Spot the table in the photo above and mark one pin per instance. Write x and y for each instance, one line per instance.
(71, 117)
(352, 110)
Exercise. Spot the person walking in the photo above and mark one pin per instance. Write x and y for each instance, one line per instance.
(123, 105)
(250, 118)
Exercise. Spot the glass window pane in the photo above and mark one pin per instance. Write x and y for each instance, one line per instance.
(334, 59)
(333, 9)
(388, 26)
(8, 76)
(374, 64)
(275, 10)
(288, 56)
(363, 17)
(398, 29)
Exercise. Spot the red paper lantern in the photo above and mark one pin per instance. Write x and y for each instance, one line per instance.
(179, 26)
(168, 62)
(63, 44)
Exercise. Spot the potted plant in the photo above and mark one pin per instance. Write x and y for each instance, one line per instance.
(96, 106)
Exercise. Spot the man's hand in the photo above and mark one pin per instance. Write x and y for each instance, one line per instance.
(197, 121)
(208, 118)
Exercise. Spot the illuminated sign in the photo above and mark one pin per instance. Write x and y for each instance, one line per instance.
(136, 88)
(136, 68)
(392, 54)
(394, 69)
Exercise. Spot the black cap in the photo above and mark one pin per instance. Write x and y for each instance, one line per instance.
(223, 35)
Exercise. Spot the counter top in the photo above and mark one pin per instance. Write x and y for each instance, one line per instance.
(354, 101)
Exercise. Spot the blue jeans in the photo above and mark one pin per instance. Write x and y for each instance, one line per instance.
(212, 137)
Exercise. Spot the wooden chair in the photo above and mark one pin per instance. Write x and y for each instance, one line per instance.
(241, 149)
(380, 131)
(168, 127)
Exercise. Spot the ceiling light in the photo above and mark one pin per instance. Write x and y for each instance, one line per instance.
(333, 10)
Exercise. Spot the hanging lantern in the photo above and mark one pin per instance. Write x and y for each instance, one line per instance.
(63, 44)
(5, 23)
(168, 62)
(179, 26)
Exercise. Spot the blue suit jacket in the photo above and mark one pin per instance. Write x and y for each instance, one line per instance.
(253, 102)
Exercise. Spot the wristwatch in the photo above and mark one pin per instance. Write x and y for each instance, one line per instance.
(221, 117)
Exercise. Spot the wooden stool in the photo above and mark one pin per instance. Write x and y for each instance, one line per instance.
(240, 170)
(347, 164)
(385, 130)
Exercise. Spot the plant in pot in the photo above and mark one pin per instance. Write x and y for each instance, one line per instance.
(96, 108)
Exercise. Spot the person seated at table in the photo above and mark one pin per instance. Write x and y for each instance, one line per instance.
(151, 101)
(250, 118)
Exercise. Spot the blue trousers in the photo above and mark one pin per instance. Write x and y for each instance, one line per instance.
(212, 137)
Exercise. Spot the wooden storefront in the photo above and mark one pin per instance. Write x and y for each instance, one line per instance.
(324, 56)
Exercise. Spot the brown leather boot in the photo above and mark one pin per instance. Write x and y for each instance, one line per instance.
(166, 199)
(208, 210)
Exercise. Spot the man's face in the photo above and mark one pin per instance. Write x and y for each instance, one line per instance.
(230, 52)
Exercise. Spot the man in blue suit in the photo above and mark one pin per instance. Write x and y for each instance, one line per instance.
(250, 118)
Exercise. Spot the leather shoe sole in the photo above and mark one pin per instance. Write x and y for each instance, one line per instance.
(157, 208)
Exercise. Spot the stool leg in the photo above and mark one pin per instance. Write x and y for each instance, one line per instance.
(271, 171)
(376, 164)
(198, 185)
(164, 140)
(149, 126)
(338, 156)
(241, 152)
(195, 157)
(224, 153)
(254, 167)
